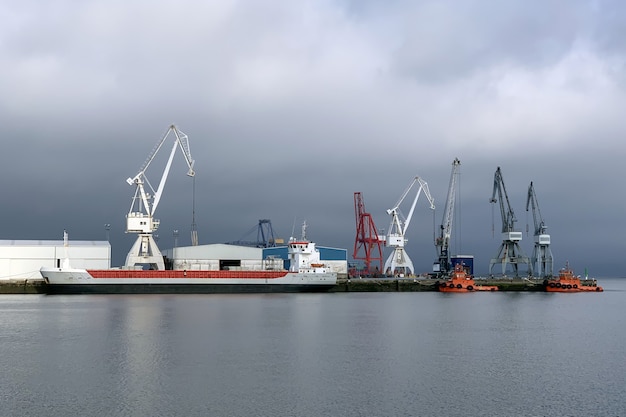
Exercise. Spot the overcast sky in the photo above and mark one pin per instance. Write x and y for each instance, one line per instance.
(291, 107)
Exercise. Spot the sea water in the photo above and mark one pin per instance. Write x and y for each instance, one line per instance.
(354, 354)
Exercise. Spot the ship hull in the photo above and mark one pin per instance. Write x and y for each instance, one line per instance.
(465, 287)
(572, 288)
(184, 288)
(80, 281)
(461, 281)
(568, 282)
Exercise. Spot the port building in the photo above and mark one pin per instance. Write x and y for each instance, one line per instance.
(234, 257)
(21, 259)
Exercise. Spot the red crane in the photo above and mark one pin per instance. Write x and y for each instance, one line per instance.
(366, 237)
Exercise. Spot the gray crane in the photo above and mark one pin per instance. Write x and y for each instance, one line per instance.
(510, 251)
(541, 259)
(442, 242)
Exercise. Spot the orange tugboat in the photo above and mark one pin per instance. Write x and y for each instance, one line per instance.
(461, 281)
(568, 282)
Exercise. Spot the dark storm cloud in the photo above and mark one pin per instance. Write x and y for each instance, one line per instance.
(450, 40)
(292, 107)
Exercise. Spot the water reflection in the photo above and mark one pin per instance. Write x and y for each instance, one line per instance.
(314, 354)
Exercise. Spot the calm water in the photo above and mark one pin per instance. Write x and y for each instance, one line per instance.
(361, 354)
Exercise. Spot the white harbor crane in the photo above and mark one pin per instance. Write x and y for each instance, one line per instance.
(510, 251)
(541, 259)
(399, 261)
(140, 218)
(442, 242)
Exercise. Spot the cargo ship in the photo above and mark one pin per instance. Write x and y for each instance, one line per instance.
(461, 281)
(568, 282)
(306, 273)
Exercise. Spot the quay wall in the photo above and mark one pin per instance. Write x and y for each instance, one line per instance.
(411, 285)
(37, 286)
(23, 286)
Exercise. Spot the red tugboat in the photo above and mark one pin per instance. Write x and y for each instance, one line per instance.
(568, 282)
(461, 281)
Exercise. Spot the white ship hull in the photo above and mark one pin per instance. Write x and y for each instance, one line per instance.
(73, 280)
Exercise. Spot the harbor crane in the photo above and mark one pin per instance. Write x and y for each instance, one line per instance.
(442, 242)
(510, 251)
(264, 236)
(541, 259)
(399, 261)
(366, 238)
(140, 218)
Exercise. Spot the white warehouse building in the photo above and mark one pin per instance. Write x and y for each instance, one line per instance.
(214, 257)
(232, 257)
(21, 259)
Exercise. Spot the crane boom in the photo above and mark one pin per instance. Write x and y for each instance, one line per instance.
(531, 201)
(140, 218)
(510, 251)
(396, 238)
(399, 220)
(443, 241)
(542, 259)
(508, 216)
(181, 141)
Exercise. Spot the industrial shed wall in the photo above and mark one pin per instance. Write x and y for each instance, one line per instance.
(22, 259)
(218, 257)
(214, 251)
(221, 256)
(467, 260)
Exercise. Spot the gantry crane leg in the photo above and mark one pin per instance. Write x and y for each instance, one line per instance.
(145, 252)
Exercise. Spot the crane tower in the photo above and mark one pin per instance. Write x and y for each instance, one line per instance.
(442, 242)
(510, 251)
(541, 258)
(399, 261)
(140, 218)
(366, 237)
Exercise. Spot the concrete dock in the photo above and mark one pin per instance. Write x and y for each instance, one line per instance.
(23, 286)
(35, 286)
(422, 284)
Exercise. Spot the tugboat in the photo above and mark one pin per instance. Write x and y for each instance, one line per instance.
(568, 282)
(461, 281)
